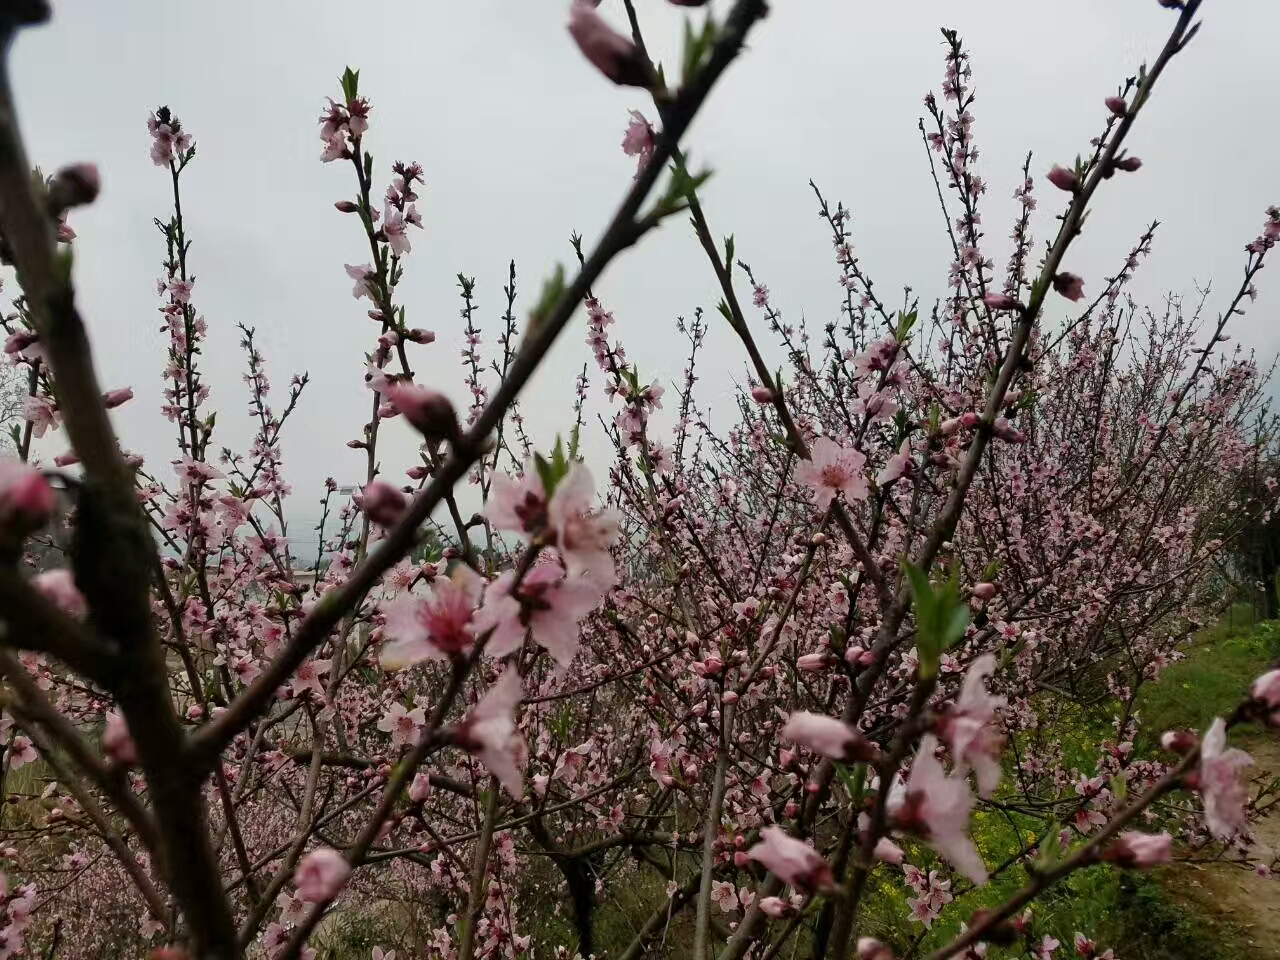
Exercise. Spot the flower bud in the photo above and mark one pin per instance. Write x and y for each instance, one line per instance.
(1064, 179)
(1180, 742)
(983, 591)
(116, 398)
(1127, 164)
(609, 51)
(382, 503)
(429, 412)
(346, 206)
(762, 395)
(1140, 850)
(1117, 105)
(1069, 285)
(1002, 301)
(116, 741)
(26, 499)
(74, 186)
(418, 335)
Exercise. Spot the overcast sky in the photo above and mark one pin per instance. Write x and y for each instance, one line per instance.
(520, 142)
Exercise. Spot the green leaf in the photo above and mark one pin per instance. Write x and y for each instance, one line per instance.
(728, 252)
(905, 322)
(941, 617)
(350, 81)
(552, 290)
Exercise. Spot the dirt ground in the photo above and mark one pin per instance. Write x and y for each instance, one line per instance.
(1237, 899)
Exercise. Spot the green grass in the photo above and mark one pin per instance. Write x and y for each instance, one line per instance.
(1221, 663)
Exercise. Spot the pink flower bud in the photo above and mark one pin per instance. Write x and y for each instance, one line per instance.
(74, 186)
(949, 426)
(970, 419)
(321, 874)
(26, 499)
(888, 851)
(19, 340)
(1004, 430)
(1127, 164)
(1140, 850)
(1180, 742)
(346, 206)
(812, 662)
(870, 948)
(420, 788)
(1063, 179)
(116, 398)
(775, 907)
(1117, 105)
(383, 503)
(609, 51)
(418, 335)
(1069, 285)
(116, 741)
(66, 459)
(195, 712)
(712, 666)
(1267, 689)
(983, 591)
(429, 412)
(762, 395)
(852, 655)
(1002, 301)
(59, 588)
(730, 697)
(740, 859)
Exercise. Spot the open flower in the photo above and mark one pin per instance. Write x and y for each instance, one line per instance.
(937, 806)
(833, 469)
(403, 725)
(547, 603)
(435, 626)
(489, 732)
(792, 861)
(970, 727)
(582, 535)
(1220, 786)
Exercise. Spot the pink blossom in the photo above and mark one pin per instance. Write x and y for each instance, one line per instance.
(307, 678)
(983, 591)
(762, 395)
(420, 788)
(1140, 850)
(437, 626)
(970, 730)
(938, 806)
(383, 503)
(609, 51)
(116, 741)
(364, 276)
(639, 139)
(1069, 285)
(403, 725)
(396, 230)
(321, 874)
(774, 907)
(899, 465)
(725, 896)
(1063, 179)
(582, 536)
(59, 587)
(115, 398)
(1045, 949)
(489, 732)
(548, 605)
(832, 469)
(826, 735)
(26, 499)
(428, 411)
(871, 949)
(1221, 788)
(21, 752)
(1002, 301)
(888, 851)
(1266, 690)
(792, 861)
(519, 505)
(40, 413)
(1116, 105)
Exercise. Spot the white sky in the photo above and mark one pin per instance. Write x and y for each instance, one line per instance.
(520, 141)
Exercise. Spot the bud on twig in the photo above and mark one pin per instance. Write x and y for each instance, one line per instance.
(73, 186)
